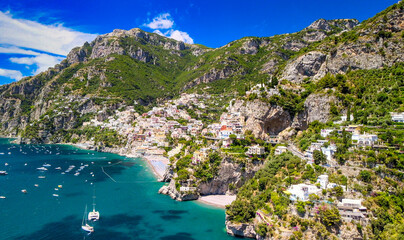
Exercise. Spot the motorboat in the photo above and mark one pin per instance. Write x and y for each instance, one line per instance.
(3, 173)
(42, 169)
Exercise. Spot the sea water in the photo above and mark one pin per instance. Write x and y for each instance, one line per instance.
(125, 193)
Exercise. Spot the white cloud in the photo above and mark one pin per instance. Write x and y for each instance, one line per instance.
(180, 36)
(13, 74)
(170, 33)
(42, 61)
(158, 32)
(55, 38)
(162, 21)
(17, 50)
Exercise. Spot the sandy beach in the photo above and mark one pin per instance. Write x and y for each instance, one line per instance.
(217, 200)
(158, 163)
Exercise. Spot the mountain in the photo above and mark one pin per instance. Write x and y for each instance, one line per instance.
(286, 87)
(137, 68)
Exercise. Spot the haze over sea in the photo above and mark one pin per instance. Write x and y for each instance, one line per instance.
(128, 202)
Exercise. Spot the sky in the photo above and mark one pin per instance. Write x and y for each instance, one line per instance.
(37, 34)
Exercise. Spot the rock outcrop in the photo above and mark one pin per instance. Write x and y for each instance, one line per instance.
(317, 107)
(307, 65)
(171, 191)
(230, 172)
(245, 230)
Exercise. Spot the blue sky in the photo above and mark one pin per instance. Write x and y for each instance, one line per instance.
(36, 34)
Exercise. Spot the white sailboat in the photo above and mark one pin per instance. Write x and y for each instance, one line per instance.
(94, 215)
(84, 224)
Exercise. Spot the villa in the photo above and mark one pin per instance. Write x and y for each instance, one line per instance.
(302, 191)
(256, 150)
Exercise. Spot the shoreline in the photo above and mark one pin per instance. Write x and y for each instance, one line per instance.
(219, 201)
(148, 159)
(158, 165)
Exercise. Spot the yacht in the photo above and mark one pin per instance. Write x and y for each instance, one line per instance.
(94, 215)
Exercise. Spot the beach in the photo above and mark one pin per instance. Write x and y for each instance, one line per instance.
(158, 163)
(217, 200)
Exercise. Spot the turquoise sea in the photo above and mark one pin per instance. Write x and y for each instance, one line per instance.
(128, 201)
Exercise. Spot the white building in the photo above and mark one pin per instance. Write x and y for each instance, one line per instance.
(325, 132)
(352, 209)
(329, 151)
(364, 139)
(256, 150)
(344, 118)
(280, 149)
(302, 191)
(323, 180)
(397, 117)
(225, 132)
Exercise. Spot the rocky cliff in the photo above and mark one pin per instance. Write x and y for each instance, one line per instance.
(264, 119)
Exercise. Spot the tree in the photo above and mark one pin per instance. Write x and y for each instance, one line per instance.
(365, 176)
(300, 207)
(339, 192)
(319, 157)
(274, 81)
(329, 216)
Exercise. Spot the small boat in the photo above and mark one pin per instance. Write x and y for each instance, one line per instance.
(58, 168)
(24, 191)
(46, 165)
(63, 173)
(55, 195)
(41, 177)
(3, 173)
(36, 185)
(42, 169)
(25, 164)
(56, 189)
(2, 197)
(60, 186)
(76, 174)
(84, 224)
(6, 164)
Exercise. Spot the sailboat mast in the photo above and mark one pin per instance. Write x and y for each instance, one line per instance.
(94, 199)
(84, 216)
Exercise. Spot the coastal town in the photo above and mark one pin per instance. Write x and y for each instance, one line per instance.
(161, 135)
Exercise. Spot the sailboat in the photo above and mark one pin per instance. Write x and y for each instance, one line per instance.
(84, 224)
(94, 215)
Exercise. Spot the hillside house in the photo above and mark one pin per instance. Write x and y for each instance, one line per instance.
(225, 132)
(364, 139)
(397, 117)
(280, 149)
(302, 191)
(352, 209)
(256, 150)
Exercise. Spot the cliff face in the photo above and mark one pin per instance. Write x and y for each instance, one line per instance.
(264, 119)
(229, 172)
